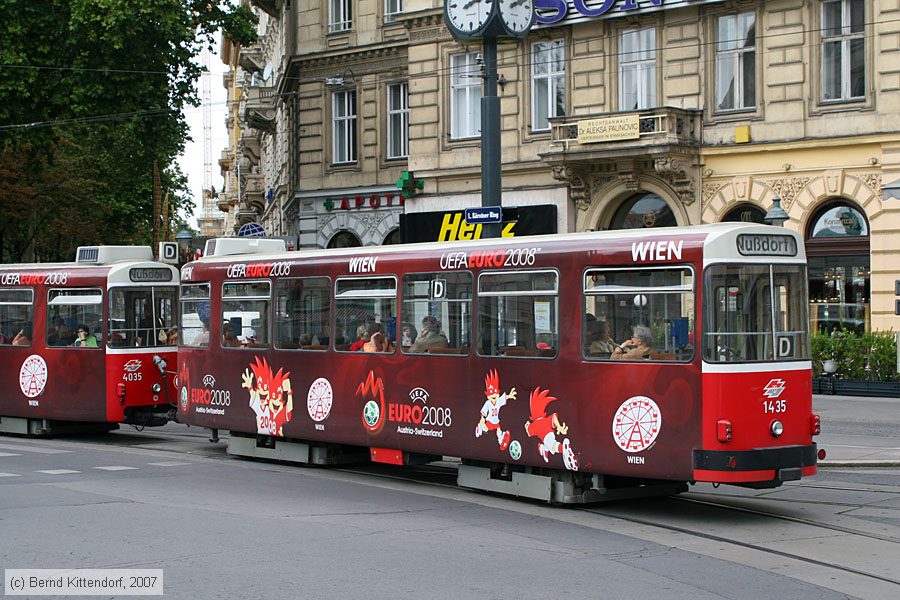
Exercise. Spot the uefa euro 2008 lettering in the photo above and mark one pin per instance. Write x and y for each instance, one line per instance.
(52, 278)
(276, 269)
(513, 257)
(548, 12)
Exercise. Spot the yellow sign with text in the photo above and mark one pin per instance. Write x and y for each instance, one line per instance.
(625, 127)
(454, 227)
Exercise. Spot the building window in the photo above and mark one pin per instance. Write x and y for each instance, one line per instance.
(340, 16)
(637, 69)
(838, 253)
(643, 210)
(398, 120)
(343, 119)
(843, 50)
(745, 213)
(548, 83)
(736, 62)
(465, 96)
(392, 8)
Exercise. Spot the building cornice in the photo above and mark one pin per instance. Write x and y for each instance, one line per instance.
(302, 67)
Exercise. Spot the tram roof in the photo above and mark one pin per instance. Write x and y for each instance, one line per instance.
(712, 231)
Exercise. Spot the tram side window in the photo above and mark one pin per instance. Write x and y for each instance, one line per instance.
(195, 316)
(16, 317)
(741, 325)
(245, 314)
(437, 313)
(142, 316)
(74, 317)
(302, 313)
(518, 314)
(365, 314)
(638, 314)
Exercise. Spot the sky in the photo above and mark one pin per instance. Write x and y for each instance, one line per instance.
(191, 160)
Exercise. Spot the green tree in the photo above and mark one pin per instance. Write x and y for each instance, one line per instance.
(92, 94)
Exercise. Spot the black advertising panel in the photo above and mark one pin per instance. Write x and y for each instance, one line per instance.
(451, 226)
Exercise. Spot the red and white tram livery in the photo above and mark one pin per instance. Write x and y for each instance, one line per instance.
(83, 345)
(561, 367)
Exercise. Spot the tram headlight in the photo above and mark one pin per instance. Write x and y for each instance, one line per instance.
(156, 388)
(776, 428)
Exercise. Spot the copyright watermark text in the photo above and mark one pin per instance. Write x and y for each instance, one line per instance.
(83, 582)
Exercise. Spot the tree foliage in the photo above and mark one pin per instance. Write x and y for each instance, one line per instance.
(92, 94)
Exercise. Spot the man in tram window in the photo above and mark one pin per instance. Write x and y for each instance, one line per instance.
(639, 346)
(145, 327)
(490, 411)
(84, 338)
(59, 333)
(431, 336)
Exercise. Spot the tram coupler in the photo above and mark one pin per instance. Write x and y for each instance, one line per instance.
(214, 435)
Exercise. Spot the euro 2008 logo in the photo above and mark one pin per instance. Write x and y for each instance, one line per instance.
(371, 412)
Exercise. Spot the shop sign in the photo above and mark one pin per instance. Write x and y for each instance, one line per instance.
(622, 127)
(371, 201)
(550, 12)
(448, 226)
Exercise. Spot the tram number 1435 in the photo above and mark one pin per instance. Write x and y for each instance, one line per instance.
(774, 406)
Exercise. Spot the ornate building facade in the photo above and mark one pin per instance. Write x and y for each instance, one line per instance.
(621, 113)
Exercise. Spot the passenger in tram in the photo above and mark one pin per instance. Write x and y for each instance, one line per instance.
(361, 339)
(145, 327)
(202, 338)
(408, 335)
(639, 346)
(84, 338)
(304, 340)
(378, 341)
(229, 338)
(59, 333)
(23, 338)
(602, 343)
(431, 336)
(172, 337)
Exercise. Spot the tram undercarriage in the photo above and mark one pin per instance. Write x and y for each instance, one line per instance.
(49, 427)
(555, 486)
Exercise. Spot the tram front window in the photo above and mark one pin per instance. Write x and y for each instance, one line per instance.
(142, 316)
(755, 313)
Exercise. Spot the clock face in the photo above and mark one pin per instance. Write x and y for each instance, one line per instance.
(517, 15)
(468, 16)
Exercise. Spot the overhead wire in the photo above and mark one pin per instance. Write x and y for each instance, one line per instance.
(520, 58)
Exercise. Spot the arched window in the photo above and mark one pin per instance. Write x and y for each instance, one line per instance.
(392, 238)
(643, 210)
(344, 239)
(745, 213)
(837, 248)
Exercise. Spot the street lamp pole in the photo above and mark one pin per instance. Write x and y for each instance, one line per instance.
(776, 215)
(491, 183)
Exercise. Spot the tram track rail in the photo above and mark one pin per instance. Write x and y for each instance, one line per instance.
(637, 520)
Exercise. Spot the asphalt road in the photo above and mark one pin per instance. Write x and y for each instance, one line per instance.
(221, 527)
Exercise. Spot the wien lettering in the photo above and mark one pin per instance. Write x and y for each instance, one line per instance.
(635, 460)
(656, 251)
(363, 264)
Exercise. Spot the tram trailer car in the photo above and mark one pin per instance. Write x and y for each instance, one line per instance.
(56, 380)
(567, 368)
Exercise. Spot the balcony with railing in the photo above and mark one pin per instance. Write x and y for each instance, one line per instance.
(637, 134)
(259, 108)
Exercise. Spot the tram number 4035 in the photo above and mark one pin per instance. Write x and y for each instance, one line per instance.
(774, 406)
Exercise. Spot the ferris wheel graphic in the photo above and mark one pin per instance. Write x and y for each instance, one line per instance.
(33, 376)
(636, 424)
(319, 399)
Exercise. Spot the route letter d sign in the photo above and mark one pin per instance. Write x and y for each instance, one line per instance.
(168, 252)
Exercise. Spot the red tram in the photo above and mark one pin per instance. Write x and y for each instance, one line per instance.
(83, 345)
(558, 367)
